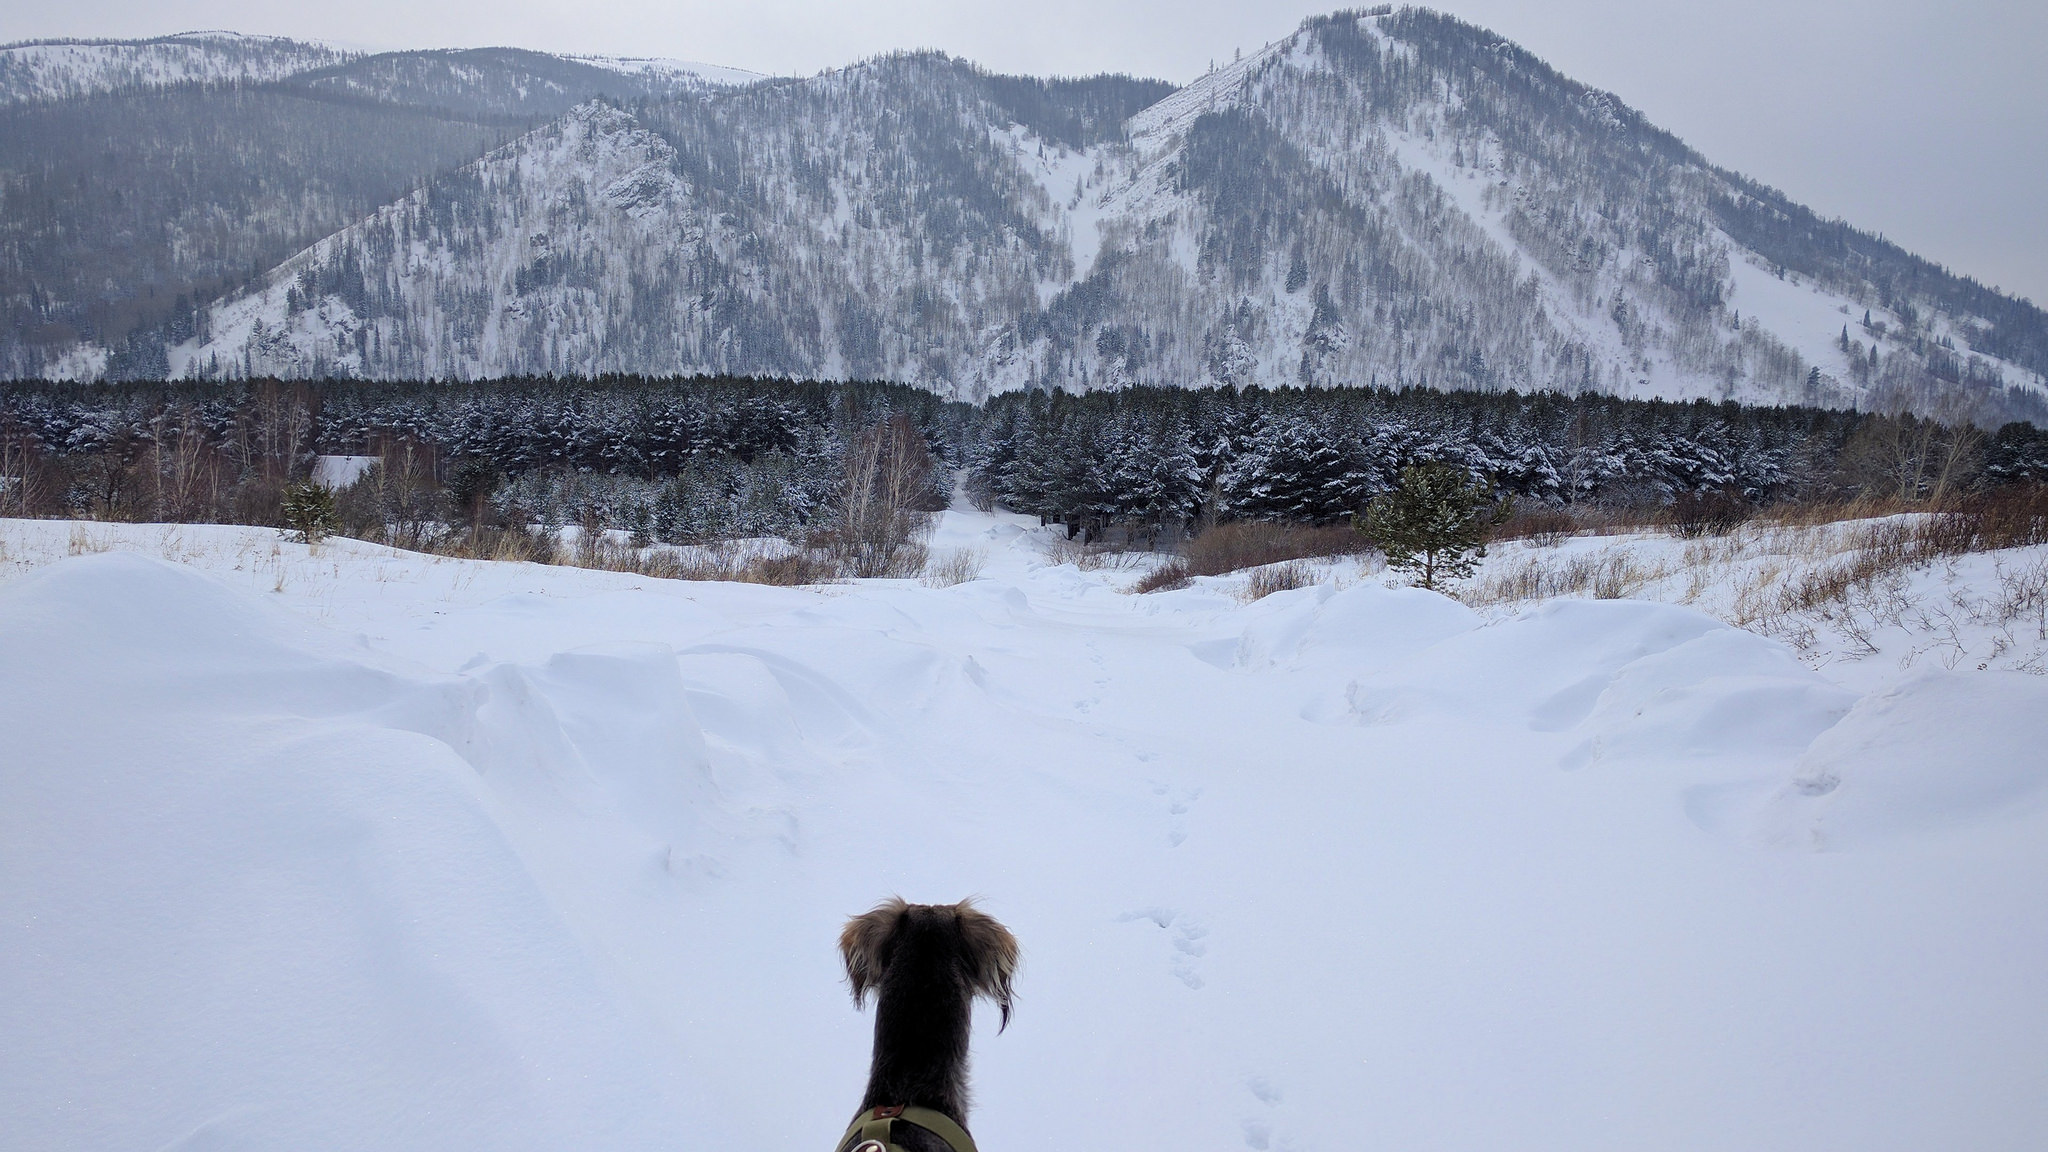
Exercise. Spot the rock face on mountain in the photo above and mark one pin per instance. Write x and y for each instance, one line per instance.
(1386, 197)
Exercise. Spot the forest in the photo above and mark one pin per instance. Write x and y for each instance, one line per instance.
(690, 460)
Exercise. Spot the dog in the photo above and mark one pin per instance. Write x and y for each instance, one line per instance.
(925, 964)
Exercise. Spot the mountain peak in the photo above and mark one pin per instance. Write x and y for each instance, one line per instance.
(1384, 196)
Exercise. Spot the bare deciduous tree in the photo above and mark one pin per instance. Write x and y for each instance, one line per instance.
(885, 504)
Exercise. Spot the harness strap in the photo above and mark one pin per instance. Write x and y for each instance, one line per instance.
(875, 1124)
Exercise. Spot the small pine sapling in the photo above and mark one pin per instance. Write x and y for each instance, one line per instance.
(308, 511)
(1434, 524)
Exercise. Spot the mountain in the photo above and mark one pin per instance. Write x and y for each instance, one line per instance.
(1383, 197)
(141, 180)
(837, 227)
(65, 69)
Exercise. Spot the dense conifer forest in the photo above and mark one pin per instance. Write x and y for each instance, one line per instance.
(685, 460)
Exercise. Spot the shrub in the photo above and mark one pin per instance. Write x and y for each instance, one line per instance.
(954, 566)
(1249, 544)
(1696, 514)
(1277, 578)
(1542, 527)
(1171, 576)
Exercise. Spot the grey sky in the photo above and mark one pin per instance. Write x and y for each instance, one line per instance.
(1926, 120)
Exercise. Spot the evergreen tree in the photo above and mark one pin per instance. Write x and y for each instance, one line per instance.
(1433, 523)
(308, 511)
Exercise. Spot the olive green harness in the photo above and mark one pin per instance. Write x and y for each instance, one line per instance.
(870, 1131)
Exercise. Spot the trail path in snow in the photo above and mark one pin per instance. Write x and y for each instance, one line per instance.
(344, 847)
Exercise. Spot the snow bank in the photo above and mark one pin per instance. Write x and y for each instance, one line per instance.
(340, 847)
(1939, 754)
(252, 909)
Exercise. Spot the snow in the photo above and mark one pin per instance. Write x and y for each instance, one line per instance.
(1059, 172)
(708, 75)
(59, 69)
(342, 846)
(1806, 317)
(339, 472)
(1933, 755)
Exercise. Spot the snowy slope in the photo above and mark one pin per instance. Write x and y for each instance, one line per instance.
(62, 69)
(597, 156)
(685, 73)
(326, 847)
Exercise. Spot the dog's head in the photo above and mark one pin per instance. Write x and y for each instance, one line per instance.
(978, 952)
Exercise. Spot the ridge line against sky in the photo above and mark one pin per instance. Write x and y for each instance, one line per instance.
(1918, 119)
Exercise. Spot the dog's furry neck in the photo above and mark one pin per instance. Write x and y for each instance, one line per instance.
(923, 1015)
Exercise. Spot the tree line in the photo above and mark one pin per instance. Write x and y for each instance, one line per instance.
(694, 459)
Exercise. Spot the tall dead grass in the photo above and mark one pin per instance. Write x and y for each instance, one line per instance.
(1171, 576)
(1093, 556)
(736, 561)
(1239, 545)
(954, 566)
(1236, 546)
(1611, 574)
(1284, 577)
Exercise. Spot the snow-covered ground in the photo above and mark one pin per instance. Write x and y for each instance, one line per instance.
(344, 847)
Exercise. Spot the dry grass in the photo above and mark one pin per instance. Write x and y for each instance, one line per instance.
(85, 543)
(514, 544)
(1855, 580)
(1283, 577)
(1171, 576)
(1093, 557)
(1233, 547)
(1542, 527)
(1611, 574)
(1623, 576)
(739, 561)
(954, 566)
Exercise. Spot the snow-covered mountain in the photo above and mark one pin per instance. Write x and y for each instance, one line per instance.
(62, 69)
(134, 190)
(1383, 197)
(67, 69)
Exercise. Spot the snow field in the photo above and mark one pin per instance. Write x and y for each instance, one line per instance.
(342, 846)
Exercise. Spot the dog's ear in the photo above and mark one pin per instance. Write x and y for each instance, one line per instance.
(988, 953)
(864, 945)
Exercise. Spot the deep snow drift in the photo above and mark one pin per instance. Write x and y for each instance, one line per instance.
(349, 848)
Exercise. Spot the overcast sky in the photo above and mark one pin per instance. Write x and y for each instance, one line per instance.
(1926, 120)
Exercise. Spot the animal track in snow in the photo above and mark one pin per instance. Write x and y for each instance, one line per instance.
(1259, 1134)
(1188, 938)
(1179, 801)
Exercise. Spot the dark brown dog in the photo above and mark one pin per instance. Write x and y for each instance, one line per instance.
(925, 963)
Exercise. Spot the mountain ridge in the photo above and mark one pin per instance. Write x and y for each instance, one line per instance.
(1381, 197)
